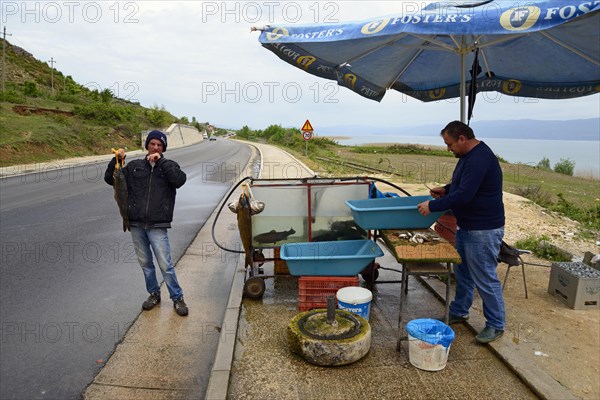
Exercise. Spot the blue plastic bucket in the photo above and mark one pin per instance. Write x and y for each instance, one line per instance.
(429, 343)
(356, 300)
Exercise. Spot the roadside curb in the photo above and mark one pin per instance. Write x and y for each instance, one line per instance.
(218, 383)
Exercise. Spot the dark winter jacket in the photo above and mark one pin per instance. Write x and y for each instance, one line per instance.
(151, 191)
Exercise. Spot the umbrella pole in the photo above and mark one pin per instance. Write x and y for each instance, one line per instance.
(463, 92)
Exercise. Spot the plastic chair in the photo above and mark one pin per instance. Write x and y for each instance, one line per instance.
(512, 258)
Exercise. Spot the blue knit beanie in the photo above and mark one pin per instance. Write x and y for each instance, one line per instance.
(156, 135)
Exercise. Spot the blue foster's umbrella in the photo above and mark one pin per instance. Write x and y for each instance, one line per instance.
(538, 49)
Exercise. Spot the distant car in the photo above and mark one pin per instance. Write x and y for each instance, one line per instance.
(212, 138)
(205, 136)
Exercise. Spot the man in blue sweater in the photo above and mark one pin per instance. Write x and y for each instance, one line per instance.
(475, 197)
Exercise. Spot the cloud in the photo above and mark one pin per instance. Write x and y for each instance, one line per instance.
(199, 58)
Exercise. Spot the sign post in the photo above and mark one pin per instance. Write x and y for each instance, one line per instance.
(307, 131)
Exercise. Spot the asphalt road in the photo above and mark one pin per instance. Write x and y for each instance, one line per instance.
(70, 284)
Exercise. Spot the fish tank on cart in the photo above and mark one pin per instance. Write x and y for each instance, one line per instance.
(306, 210)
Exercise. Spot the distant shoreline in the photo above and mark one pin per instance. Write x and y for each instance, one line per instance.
(384, 144)
(585, 154)
(338, 137)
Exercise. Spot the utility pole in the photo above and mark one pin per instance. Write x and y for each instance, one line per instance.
(4, 60)
(52, 73)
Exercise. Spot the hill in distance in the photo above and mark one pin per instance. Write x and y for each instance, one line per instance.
(46, 115)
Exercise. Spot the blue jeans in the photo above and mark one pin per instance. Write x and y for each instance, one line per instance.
(158, 241)
(479, 251)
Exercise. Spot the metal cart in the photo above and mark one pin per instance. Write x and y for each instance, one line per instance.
(300, 210)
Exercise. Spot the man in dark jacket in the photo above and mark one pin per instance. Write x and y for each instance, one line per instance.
(475, 197)
(152, 184)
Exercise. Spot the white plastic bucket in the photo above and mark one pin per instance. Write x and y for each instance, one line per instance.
(426, 356)
(356, 300)
(429, 343)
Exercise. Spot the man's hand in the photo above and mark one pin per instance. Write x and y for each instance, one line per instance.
(119, 154)
(424, 208)
(437, 192)
(154, 157)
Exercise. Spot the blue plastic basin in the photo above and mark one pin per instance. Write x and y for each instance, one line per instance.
(391, 213)
(339, 258)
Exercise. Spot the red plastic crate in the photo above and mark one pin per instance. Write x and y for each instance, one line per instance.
(448, 231)
(313, 290)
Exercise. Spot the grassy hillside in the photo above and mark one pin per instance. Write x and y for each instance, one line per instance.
(46, 115)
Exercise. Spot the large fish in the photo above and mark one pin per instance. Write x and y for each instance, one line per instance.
(120, 187)
(244, 211)
(244, 208)
(273, 236)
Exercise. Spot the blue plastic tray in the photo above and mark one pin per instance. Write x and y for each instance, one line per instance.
(340, 258)
(391, 213)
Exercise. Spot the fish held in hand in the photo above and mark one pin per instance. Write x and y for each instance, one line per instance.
(120, 188)
(244, 211)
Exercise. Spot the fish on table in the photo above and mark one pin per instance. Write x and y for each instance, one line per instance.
(120, 188)
(273, 236)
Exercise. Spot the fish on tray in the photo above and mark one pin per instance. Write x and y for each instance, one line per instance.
(120, 187)
(273, 236)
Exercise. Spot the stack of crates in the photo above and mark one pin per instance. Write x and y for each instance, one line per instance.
(314, 290)
(575, 284)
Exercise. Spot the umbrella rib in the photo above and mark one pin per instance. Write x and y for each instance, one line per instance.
(366, 53)
(487, 66)
(566, 46)
(414, 57)
(436, 42)
(404, 69)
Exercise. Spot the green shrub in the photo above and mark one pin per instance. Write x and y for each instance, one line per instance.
(535, 194)
(544, 164)
(245, 132)
(66, 97)
(106, 96)
(158, 116)
(105, 114)
(565, 166)
(30, 89)
(11, 96)
(536, 245)
(589, 217)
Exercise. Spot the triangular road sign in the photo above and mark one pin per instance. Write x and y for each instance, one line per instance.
(307, 127)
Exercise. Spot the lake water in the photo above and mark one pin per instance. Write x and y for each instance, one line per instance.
(585, 154)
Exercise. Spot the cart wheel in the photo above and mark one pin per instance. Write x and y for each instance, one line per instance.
(254, 288)
(370, 273)
(259, 257)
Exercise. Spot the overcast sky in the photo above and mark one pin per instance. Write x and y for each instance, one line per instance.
(199, 59)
